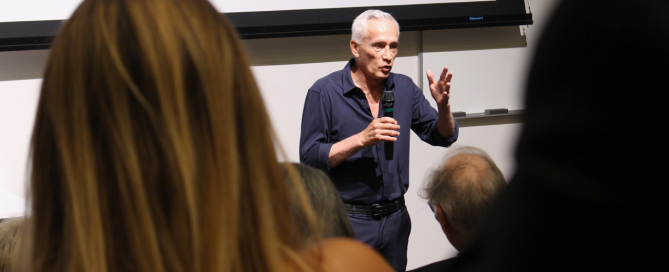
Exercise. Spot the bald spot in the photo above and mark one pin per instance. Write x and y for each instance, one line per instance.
(466, 167)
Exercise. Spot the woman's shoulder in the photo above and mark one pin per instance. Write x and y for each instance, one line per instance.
(343, 254)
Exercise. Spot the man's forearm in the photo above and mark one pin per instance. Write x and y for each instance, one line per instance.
(445, 124)
(344, 149)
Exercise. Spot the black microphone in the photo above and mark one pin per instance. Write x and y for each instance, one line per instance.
(388, 102)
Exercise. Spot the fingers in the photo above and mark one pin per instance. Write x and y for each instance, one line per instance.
(376, 135)
(446, 83)
(383, 129)
(388, 139)
(390, 127)
(386, 132)
(444, 72)
(386, 135)
(430, 76)
(385, 123)
(386, 120)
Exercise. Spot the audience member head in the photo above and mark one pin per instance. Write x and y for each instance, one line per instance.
(330, 212)
(460, 191)
(9, 236)
(152, 149)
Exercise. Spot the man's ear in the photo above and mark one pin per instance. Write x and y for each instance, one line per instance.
(354, 48)
(443, 221)
(453, 235)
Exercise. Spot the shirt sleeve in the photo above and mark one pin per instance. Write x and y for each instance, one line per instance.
(315, 132)
(424, 121)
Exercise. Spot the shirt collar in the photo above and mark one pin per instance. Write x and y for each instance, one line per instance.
(347, 81)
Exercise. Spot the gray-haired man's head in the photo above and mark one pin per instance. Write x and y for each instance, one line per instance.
(460, 191)
(374, 44)
(359, 27)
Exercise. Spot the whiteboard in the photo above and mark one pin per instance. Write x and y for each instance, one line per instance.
(42, 10)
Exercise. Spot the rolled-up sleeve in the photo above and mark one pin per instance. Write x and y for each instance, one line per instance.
(314, 136)
(424, 122)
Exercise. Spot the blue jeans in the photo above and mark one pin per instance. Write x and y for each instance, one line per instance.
(389, 235)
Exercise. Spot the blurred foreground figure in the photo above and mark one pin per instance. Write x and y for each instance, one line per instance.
(9, 237)
(588, 195)
(459, 193)
(152, 151)
(331, 217)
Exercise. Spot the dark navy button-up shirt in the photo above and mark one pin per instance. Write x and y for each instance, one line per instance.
(336, 109)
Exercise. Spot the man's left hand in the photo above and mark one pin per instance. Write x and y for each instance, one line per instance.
(441, 90)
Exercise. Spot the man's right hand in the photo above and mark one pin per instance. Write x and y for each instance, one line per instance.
(380, 129)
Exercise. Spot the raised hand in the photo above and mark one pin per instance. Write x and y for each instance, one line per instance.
(441, 89)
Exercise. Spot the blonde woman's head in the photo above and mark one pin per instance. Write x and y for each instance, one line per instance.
(152, 149)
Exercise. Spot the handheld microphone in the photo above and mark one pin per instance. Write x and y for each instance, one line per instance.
(388, 103)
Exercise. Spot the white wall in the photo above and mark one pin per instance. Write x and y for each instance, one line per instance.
(489, 65)
(18, 102)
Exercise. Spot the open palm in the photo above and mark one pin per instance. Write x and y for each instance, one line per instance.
(441, 89)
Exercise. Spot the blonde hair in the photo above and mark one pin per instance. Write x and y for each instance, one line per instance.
(9, 237)
(152, 149)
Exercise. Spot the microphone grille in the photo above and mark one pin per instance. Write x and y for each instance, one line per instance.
(388, 96)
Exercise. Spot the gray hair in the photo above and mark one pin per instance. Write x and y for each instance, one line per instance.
(465, 190)
(359, 28)
(332, 219)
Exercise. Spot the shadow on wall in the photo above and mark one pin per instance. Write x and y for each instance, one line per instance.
(19, 65)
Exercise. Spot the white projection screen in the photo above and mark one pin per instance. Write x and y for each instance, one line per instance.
(42, 10)
(32, 24)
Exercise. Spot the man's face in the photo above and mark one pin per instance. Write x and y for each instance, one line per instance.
(375, 56)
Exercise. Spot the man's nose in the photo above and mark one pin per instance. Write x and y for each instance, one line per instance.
(387, 53)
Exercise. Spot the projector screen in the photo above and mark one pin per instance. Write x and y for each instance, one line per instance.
(240, 6)
(43, 10)
(32, 24)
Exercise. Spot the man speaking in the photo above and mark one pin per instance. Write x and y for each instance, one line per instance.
(344, 132)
